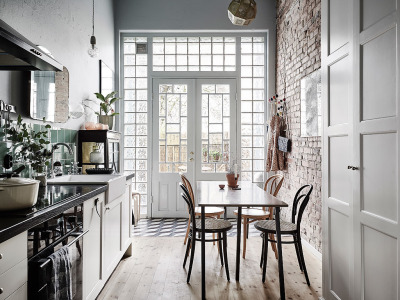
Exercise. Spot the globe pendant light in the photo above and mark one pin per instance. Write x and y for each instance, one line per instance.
(242, 12)
(93, 50)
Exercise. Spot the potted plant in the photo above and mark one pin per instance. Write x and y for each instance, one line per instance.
(107, 112)
(205, 154)
(33, 147)
(216, 155)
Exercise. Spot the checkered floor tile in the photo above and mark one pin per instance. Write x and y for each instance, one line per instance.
(175, 227)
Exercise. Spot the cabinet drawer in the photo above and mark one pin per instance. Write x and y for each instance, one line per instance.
(14, 278)
(20, 294)
(13, 251)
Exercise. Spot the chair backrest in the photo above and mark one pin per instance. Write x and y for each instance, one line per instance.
(186, 196)
(302, 197)
(187, 184)
(275, 185)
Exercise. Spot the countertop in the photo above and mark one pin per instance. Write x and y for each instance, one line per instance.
(59, 197)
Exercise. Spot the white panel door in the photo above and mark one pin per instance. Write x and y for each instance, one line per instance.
(360, 149)
(173, 141)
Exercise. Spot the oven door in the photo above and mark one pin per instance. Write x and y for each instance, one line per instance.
(40, 268)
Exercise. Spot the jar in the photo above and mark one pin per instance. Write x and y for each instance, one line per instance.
(96, 156)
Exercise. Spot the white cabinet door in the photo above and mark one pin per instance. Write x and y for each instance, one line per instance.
(112, 236)
(92, 219)
(126, 218)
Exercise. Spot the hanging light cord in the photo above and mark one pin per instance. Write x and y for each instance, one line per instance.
(93, 18)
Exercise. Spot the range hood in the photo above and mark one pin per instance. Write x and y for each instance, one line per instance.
(18, 53)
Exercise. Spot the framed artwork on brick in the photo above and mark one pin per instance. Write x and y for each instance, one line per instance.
(310, 105)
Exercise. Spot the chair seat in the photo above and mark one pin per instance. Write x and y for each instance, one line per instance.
(253, 213)
(214, 225)
(269, 226)
(209, 211)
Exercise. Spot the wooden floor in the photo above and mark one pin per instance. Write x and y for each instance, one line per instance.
(155, 272)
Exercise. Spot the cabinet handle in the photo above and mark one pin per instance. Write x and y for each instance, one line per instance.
(107, 208)
(1, 290)
(1, 255)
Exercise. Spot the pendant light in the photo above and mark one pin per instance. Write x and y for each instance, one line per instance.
(242, 12)
(93, 50)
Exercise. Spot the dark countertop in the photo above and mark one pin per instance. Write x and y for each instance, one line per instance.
(52, 201)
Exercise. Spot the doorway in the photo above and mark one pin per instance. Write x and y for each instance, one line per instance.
(194, 133)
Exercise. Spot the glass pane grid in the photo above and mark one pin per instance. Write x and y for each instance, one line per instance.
(252, 71)
(194, 54)
(135, 115)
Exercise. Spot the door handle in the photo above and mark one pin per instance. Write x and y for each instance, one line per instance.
(191, 152)
(191, 159)
(353, 168)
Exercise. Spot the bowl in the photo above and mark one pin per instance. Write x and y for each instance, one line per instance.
(18, 193)
(221, 186)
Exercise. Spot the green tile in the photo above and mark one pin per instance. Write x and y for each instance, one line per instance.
(73, 136)
(36, 127)
(60, 137)
(53, 134)
(67, 135)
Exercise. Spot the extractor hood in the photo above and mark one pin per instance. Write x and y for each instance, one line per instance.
(18, 53)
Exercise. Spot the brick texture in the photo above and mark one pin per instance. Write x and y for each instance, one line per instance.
(299, 54)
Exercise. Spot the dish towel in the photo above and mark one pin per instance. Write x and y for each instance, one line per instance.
(60, 285)
(275, 159)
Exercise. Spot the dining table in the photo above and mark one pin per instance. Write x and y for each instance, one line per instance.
(248, 194)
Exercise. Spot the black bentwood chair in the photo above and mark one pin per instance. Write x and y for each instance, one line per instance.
(287, 228)
(218, 226)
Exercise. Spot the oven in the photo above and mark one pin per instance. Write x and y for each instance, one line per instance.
(50, 237)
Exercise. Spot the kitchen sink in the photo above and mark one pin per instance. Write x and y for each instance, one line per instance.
(116, 183)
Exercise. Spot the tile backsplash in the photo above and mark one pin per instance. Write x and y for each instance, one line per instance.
(55, 135)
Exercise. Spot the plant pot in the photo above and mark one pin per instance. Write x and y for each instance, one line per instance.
(231, 180)
(42, 178)
(107, 120)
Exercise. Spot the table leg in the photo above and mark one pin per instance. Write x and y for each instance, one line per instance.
(203, 254)
(239, 234)
(280, 260)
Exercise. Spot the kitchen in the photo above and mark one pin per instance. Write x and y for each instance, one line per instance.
(127, 232)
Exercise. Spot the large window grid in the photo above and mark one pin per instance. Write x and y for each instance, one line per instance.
(252, 108)
(194, 53)
(135, 115)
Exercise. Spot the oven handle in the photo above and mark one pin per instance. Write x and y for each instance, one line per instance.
(77, 238)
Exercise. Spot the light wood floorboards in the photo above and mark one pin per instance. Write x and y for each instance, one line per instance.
(155, 272)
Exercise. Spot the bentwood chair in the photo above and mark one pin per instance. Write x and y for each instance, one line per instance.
(218, 226)
(287, 228)
(250, 215)
(211, 212)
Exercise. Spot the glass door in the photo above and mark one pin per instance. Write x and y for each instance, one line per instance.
(194, 133)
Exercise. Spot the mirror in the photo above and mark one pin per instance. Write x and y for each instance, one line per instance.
(311, 111)
(106, 79)
(49, 95)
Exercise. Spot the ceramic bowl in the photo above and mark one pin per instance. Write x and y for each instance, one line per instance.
(221, 186)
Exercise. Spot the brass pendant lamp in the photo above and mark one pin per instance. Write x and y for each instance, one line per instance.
(242, 12)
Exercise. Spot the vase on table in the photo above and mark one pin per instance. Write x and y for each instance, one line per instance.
(232, 181)
(107, 120)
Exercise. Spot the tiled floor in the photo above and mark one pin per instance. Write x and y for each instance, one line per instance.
(175, 227)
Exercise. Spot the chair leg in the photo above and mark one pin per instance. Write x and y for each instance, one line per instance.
(265, 256)
(193, 243)
(187, 232)
(245, 226)
(187, 251)
(220, 249)
(248, 228)
(226, 256)
(302, 259)
(273, 245)
(262, 250)
(296, 246)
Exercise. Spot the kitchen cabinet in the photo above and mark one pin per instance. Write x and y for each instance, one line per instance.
(13, 266)
(92, 219)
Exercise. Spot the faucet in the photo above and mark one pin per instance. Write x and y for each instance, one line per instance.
(55, 147)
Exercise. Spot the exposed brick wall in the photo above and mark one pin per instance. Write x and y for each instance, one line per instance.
(299, 39)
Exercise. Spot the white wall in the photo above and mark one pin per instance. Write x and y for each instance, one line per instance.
(64, 27)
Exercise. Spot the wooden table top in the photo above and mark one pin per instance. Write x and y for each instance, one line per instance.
(208, 193)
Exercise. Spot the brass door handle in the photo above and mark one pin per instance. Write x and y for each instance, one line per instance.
(191, 152)
(191, 159)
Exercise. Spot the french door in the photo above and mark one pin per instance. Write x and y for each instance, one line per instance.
(194, 133)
